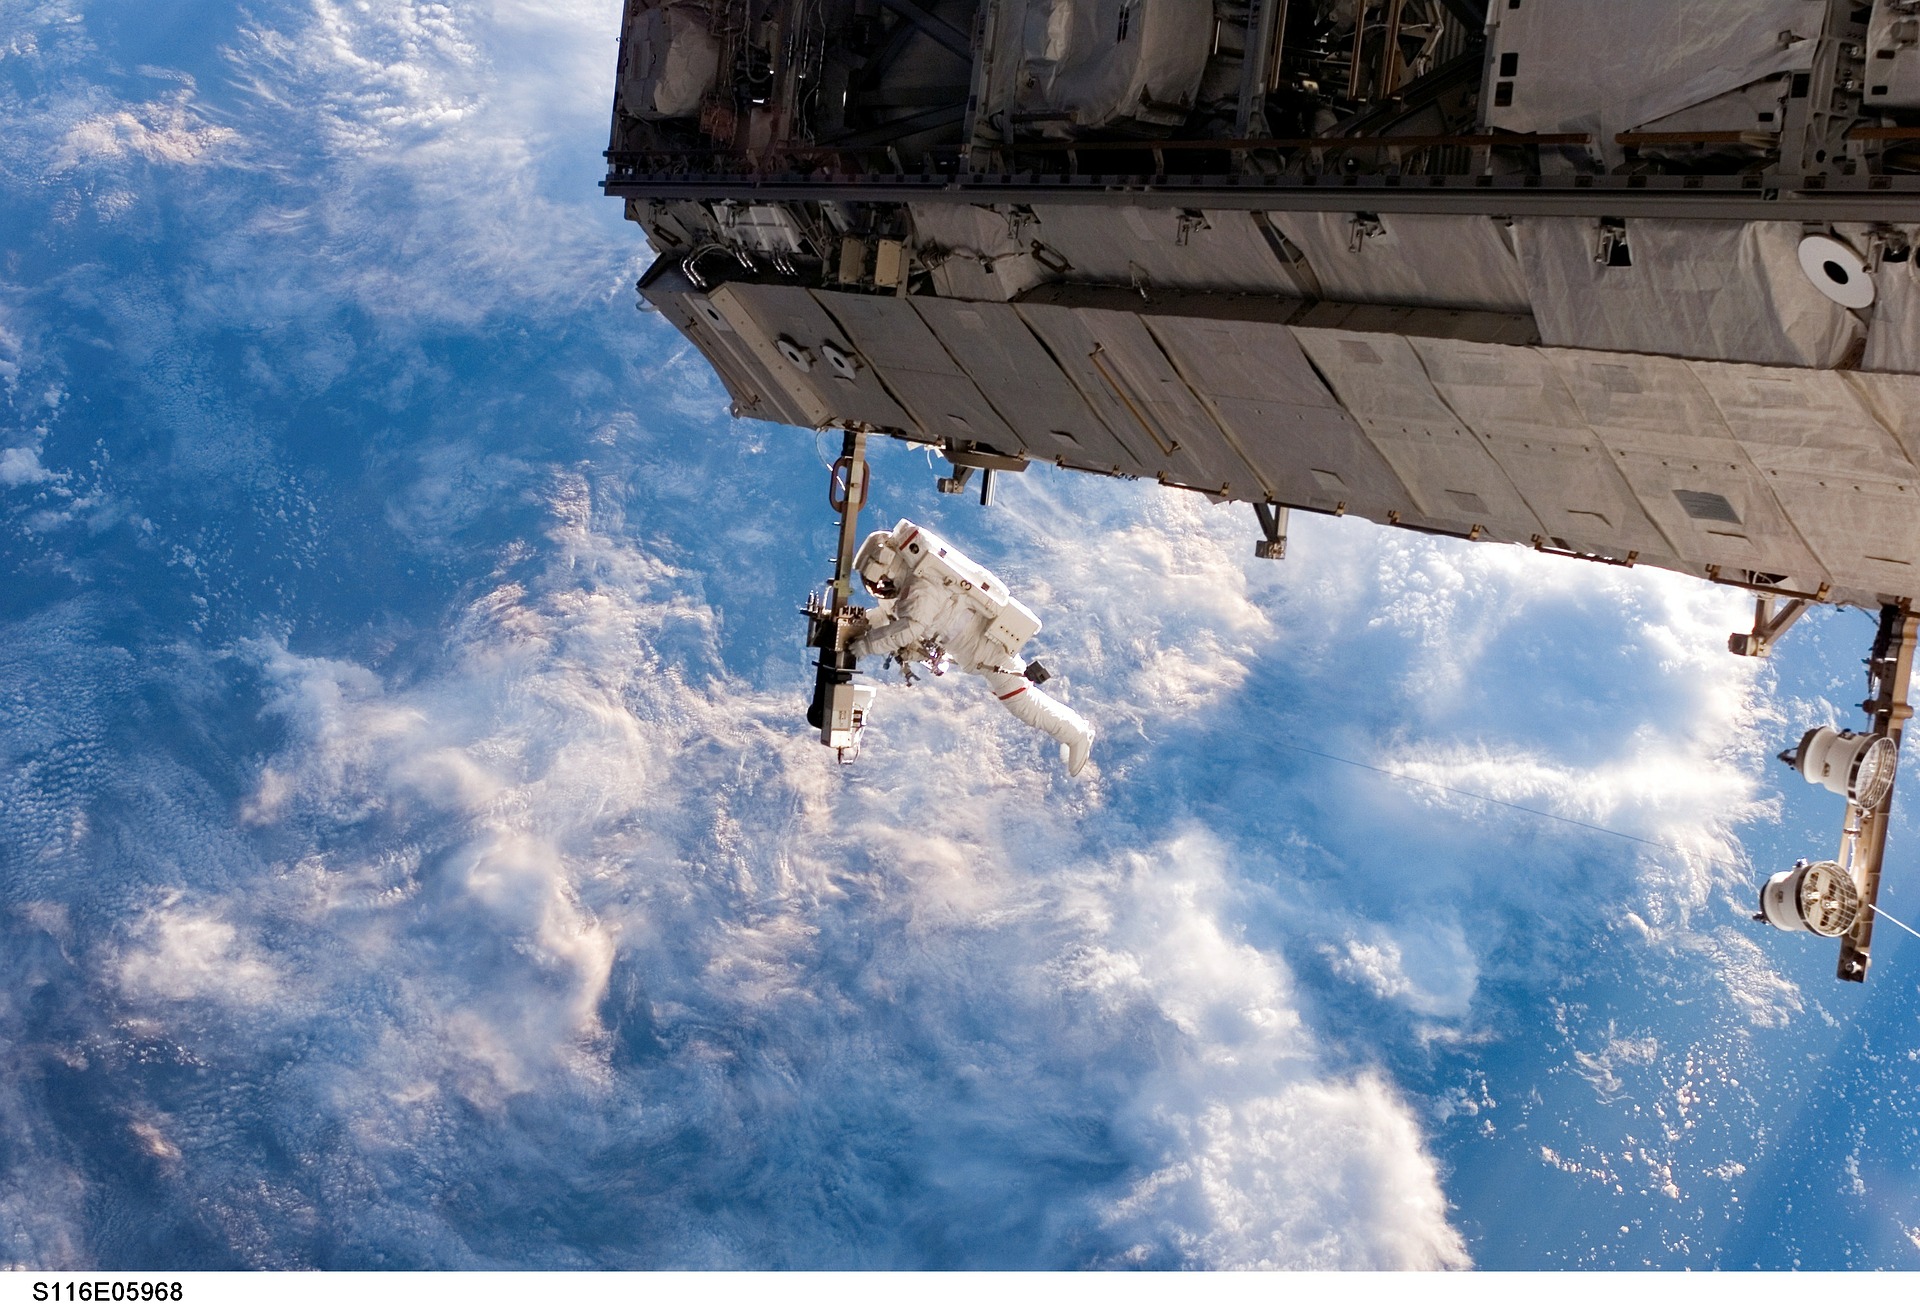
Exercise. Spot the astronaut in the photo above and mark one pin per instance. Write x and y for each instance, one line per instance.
(937, 607)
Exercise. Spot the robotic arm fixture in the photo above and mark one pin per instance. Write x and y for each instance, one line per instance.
(840, 706)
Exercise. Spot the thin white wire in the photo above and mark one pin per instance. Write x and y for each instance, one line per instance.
(1882, 912)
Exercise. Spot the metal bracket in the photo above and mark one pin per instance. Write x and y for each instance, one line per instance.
(1768, 626)
(830, 617)
(1887, 245)
(1863, 847)
(1824, 103)
(1289, 254)
(1273, 531)
(1610, 249)
(1558, 549)
(1019, 218)
(1718, 575)
(957, 483)
(1191, 221)
(966, 454)
(967, 458)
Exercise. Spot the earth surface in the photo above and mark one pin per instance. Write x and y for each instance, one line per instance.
(412, 855)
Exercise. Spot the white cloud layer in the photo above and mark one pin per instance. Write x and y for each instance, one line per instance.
(574, 922)
(571, 866)
(169, 131)
(570, 806)
(483, 126)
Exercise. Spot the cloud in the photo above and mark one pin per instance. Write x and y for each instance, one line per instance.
(1601, 696)
(1674, 768)
(183, 954)
(1321, 1176)
(9, 356)
(468, 122)
(1197, 624)
(422, 161)
(1265, 1161)
(1431, 971)
(1600, 1068)
(170, 131)
(577, 870)
(402, 70)
(20, 466)
(43, 1205)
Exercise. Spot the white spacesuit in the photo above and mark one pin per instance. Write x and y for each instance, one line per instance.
(936, 605)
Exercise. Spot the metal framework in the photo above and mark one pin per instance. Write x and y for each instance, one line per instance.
(1863, 846)
(1829, 159)
(836, 134)
(831, 617)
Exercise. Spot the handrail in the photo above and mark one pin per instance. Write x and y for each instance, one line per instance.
(1697, 138)
(1313, 142)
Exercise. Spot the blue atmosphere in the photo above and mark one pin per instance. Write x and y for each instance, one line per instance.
(412, 854)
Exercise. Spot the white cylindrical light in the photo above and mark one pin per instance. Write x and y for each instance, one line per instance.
(1856, 767)
(1872, 772)
(1819, 898)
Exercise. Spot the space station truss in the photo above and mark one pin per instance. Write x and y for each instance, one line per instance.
(1632, 282)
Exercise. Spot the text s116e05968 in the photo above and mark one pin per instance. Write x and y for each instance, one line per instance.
(108, 1291)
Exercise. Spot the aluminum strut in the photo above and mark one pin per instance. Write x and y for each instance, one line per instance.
(847, 495)
(1889, 678)
(830, 617)
(1770, 622)
(1273, 530)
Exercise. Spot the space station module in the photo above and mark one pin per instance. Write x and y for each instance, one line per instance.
(939, 607)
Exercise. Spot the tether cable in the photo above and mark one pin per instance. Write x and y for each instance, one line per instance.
(1879, 911)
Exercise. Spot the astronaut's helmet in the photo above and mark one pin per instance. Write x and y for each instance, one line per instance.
(875, 560)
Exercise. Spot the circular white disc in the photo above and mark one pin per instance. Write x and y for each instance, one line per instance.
(795, 353)
(1839, 273)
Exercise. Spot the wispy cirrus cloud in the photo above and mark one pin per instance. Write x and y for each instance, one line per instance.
(478, 125)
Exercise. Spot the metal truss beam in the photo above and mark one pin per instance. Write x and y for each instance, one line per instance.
(1890, 678)
(1892, 199)
(936, 28)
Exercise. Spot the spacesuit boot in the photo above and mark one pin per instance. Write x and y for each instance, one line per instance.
(1039, 709)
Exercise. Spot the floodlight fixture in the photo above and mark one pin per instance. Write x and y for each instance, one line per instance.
(1857, 767)
(1817, 897)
